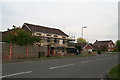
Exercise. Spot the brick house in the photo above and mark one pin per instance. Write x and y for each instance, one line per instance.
(104, 45)
(88, 47)
(85, 47)
(55, 38)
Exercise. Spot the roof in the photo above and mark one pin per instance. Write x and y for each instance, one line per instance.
(43, 29)
(91, 44)
(80, 44)
(102, 42)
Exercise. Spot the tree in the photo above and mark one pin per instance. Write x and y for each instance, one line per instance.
(78, 48)
(20, 37)
(81, 40)
(118, 45)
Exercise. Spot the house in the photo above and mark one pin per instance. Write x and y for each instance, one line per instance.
(107, 45)
(88, 47)
(85, 47)
(56, 40)
(4, 34)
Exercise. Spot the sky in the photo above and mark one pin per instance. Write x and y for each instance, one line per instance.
(99, 16)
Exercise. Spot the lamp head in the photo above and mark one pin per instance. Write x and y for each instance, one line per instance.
(84, 27)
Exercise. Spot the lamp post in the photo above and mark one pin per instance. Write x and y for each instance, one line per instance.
(82, 30)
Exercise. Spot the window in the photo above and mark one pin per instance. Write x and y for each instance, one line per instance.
(61, 42)
(63, 37)
(112, 46)
(48, 35)
(38, 34)
(55, 36)
(48, 39)
(64, 41)
(55, 40)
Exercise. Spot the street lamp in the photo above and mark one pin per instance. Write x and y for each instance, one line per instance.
(82, 30)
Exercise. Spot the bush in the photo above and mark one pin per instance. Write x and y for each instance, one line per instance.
(78, 48)
(99, 52)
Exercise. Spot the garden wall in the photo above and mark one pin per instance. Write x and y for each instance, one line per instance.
(21, 51)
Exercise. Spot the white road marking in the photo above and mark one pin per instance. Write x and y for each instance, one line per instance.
(61, 66)
(16, 74)
(84, 61)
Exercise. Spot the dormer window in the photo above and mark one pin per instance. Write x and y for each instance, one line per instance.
(48, 35)
(55, 36)
(63, 37)
(38, 34)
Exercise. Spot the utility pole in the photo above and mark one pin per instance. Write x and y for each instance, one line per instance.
(82, 30)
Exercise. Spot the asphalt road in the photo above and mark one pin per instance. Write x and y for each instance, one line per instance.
(80, 67)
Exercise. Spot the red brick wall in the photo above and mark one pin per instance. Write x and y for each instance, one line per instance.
(88, 47)
(20, 51)
(111, 44)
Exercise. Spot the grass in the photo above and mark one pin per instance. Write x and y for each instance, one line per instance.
(114, 73)
(46, 58)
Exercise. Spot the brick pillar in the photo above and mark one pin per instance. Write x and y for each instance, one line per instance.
(10, 53)
(53, 52)
(27, 50)
(48, 52)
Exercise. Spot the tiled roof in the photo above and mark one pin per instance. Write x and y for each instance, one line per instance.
(38, 28)
(91, 44)
(102, 42)
(78, 44)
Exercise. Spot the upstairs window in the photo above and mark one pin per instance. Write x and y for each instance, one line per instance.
(55, 40)
(48, 35)
(48, 40)
(38, 34)
(64, 41)
(55, 36)
(63, 37)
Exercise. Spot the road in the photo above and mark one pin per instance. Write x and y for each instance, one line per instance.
(80, 67)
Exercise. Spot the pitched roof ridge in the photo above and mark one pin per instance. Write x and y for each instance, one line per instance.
(60, 32)
(104, 40)
(41, 26)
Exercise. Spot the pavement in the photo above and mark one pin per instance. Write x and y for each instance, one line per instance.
(79, 67)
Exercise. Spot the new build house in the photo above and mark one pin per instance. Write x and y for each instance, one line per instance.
(55, 38)
(107, 45)
(85, 47)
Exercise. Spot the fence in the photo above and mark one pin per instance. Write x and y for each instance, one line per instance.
(17, 51)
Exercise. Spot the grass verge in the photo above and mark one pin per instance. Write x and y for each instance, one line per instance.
(45, 58)
(114, 73)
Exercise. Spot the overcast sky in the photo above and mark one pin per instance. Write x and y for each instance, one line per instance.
(100, 17)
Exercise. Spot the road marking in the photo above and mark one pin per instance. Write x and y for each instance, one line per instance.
(61, 66)
(84, 61)
(16, 74)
